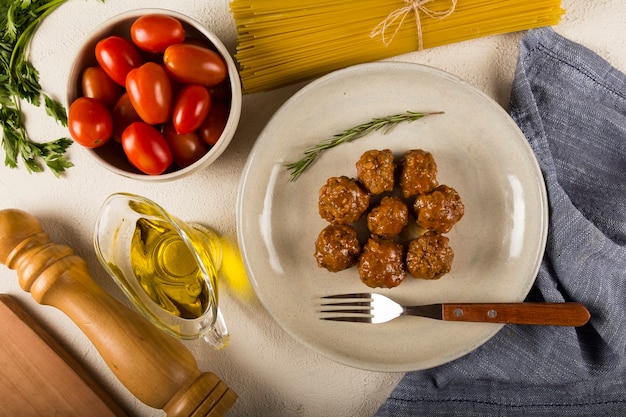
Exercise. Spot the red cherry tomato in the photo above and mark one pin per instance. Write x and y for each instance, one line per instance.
(117, 56)
(191, 107)
(194, 64)
(186, 148)
(155, 32)
(213, 125)
(123, 115)
(146, 148)
(89, 122)
(150, 92)
(97, 84)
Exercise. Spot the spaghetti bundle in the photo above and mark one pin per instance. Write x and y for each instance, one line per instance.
(285, 41)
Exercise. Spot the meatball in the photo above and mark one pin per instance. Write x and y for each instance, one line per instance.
(439, 210)
(376, 169)
(342, 200)
(382, 263)
(388, 218)
(419, 173)
(337, 247)
(429, 256)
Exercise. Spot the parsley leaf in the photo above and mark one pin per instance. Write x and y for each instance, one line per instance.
(19, 80)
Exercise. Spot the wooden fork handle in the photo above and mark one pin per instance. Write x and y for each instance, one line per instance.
(555, 314)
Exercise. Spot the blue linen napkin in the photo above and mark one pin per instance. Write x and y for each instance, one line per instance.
(571, 106)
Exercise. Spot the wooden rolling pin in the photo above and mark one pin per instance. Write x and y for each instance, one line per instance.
(155, 367)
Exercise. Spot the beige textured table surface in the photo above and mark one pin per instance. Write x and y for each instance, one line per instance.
(273, 374)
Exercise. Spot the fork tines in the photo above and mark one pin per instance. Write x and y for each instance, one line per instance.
(365, 300)
(352, 319)
(355, 295)
(347, 308)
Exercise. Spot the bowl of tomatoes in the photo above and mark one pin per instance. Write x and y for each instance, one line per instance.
(153, 95)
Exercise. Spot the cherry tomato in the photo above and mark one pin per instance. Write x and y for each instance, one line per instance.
(97, 84)
(146, 148)
(123, 115)
(213, 125)
(117, 56)
(186, 148)
(155, 32)
(150, 92)
(194, 64)
(89, 122)
(191, 107)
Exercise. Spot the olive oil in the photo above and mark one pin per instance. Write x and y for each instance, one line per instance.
(167, 270)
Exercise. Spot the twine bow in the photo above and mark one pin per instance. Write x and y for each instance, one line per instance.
(400, 14)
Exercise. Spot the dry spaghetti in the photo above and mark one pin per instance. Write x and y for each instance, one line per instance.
(285, 41)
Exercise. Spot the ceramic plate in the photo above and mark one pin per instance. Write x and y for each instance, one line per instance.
(479, 151)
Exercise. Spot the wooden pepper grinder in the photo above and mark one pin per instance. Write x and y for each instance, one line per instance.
(155, 367)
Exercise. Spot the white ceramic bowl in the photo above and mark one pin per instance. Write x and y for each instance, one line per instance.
(112, 157)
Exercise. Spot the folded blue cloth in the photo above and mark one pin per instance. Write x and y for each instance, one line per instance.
(571, 106)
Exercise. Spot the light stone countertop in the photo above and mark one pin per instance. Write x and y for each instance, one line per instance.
(273, 374)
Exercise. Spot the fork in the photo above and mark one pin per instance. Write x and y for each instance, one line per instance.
(376, 308)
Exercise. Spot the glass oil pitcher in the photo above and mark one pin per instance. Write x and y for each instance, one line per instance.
(167, 268)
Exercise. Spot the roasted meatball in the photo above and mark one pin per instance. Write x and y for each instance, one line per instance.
(376, 169)
(439, 210)
(337, 247)
(382, 263)
(429, 256)
(342, 200)
(388, 218)
(419, 173)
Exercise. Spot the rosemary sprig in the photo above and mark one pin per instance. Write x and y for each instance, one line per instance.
(348, 135)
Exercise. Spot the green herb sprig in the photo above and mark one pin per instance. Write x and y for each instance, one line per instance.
(348, 135)
(19, 80)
